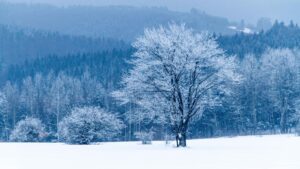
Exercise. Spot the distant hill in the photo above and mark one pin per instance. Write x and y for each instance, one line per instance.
(118, 22)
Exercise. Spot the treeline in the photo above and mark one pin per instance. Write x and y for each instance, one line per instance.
(106, 66)
(18, 45)
(266, 101)
(49, 98)
(48, 89)
(278, 36)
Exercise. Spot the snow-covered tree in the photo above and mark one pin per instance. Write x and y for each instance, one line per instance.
(11, 93)
(281, 68)
(29, 130)
(32, 96)
(28, 96)
(173, 70)
(250, 90)
(89, 124)
(74, 87)
(4, 124)
(93, 92)
(58, 98)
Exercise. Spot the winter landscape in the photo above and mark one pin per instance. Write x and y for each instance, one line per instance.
(149, 84)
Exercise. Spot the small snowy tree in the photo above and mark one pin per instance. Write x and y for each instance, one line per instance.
(29, 130)
(173, 70)
(4, 126)
(89, 124)
(145, 137)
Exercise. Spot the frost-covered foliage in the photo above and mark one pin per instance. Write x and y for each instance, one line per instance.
(250, 93)
(267, 98)
(282, 69)
(145, 137)
(3, 117)
(51, 97)
(89, 124)
(29, 130)
(173, 71)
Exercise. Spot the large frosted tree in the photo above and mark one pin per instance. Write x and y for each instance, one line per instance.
(173, 71)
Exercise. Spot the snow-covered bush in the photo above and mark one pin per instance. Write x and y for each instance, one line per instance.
(145, 137)
(89, 124)
(29, 130)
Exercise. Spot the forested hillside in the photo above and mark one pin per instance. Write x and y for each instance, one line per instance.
(118, 22)
(279, 36)
(18, 45)
(106, 66)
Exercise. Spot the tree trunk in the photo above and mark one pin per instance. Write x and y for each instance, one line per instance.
(283, 118)
(181, 140)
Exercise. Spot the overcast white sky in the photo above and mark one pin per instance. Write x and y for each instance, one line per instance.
(235, 10)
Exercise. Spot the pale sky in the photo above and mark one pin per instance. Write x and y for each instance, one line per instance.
(235, 10)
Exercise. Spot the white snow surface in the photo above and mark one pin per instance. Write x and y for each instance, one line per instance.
(248, 152)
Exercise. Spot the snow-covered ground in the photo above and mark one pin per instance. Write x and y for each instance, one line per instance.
(251, 152)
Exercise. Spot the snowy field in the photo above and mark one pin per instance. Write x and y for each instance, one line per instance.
(251, 152)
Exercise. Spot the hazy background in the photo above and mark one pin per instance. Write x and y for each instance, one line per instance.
(235, 10)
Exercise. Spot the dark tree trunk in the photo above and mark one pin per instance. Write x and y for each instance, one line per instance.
(181, 140)
(180, 132)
